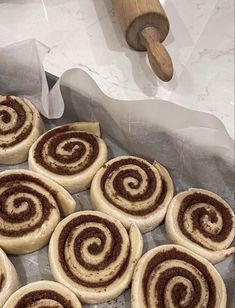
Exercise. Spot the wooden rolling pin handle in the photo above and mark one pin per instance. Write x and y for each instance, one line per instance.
(159, 58)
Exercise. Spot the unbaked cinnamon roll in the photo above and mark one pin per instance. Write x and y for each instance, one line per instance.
(133, 191)
(70, 155)
(172, 276)
(43, 294)
(20, 126)
(30, 209)
(92, 254)
(9, 282)
(202, 222)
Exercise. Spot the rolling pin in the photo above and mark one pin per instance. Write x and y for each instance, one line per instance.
(145, 26)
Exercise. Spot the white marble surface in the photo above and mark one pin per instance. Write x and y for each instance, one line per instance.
(86, 34)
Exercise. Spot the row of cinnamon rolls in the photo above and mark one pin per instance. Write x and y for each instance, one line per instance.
(94, 253)
(166, 276)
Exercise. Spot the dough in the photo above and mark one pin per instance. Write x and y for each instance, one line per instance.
(43, 294)
(93, 255)
(30, 210)
(9, 282)
(133, 191)
(20, 126)
(172, 276)
(202, 222)
(69, 155)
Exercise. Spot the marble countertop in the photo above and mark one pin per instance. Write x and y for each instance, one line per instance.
(86, 34)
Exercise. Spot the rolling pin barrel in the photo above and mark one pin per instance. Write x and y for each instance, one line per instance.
(145, 26)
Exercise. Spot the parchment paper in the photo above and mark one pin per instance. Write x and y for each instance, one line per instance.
(194, 146)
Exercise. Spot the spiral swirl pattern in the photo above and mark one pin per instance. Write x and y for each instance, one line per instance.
(69, 156)
(29, 210)
(8, 278)
(92, 254)
(133, 191)
(172, 276)
(43, 294)
(203, 222)
(20, 125)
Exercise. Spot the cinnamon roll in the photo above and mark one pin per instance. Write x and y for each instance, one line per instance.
(20, 126)
(202, 222)
(30, 208)
(43, 294)
(69, 155)
(172, 276)
(133, 191)
(92, 254)
(9, 282)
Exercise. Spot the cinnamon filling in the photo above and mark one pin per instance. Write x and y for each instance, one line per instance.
(14, 184)
(197, 214)
(77, 149)
(120, 190)
(21, 121)
(2, 278)
(111, 256)
(34, 296)
(5, 116)
(179, 290)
